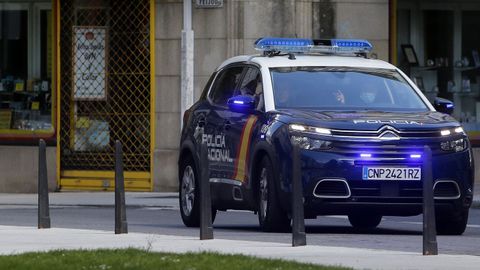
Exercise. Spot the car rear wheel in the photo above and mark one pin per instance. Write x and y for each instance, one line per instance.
(270, 216)
(189, 205)
(189, 197)
(364, 222)
(452, 224)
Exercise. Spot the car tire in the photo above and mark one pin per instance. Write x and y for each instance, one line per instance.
(270, 215)
(189, 195)
(364, 222)
(452, 224)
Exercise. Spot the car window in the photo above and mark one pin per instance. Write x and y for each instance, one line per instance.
(252, 85)
(207, 86)
(225, 85)
(339, 88)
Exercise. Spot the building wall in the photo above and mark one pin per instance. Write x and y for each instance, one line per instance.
(19, 169)
(225, 32)
(366, 19)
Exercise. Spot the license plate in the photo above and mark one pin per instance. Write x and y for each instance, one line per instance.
(391, 173)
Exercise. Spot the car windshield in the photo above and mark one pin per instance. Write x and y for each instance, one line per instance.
(343, 88)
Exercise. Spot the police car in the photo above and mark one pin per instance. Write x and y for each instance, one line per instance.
(361, 125)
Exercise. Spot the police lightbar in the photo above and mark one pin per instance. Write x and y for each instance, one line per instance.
(302, 45)
(269, 44)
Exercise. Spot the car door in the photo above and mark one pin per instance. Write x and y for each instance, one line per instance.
(244, 126)
(217, 122)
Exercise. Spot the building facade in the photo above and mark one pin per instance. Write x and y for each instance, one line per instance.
(82, 74)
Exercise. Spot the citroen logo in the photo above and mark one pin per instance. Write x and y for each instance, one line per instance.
(388, 133)
(387, 127)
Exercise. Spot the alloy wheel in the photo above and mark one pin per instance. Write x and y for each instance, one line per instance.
(188, 190)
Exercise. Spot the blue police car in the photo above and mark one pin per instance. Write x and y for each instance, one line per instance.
(361, 125)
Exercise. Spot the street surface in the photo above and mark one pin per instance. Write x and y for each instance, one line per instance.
(394, 233)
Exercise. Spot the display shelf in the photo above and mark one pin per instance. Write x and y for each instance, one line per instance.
(465, 68)
(421, 68)
(466, 94)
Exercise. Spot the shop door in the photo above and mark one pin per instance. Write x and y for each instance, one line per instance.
(105, 92)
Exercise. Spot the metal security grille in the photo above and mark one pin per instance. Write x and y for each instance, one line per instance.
(105, 77)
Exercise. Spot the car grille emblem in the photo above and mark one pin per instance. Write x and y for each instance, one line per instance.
(388, 133)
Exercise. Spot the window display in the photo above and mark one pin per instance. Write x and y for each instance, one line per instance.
(446, 42)
(25, 68)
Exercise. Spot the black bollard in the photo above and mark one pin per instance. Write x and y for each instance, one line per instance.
(43, 203)
(206, 228)
(120, 213)
(299, 237)
(429, 230)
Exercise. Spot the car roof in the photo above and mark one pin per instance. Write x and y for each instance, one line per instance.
(310, 60)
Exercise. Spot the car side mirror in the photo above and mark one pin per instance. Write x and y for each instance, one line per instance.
(241, 103)
(443, 105)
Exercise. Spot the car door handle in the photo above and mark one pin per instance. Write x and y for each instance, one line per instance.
(227, 125)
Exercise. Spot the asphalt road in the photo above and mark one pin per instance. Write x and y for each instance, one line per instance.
(394, 233)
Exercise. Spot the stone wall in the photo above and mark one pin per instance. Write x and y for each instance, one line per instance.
(366, 19)
(19, 169)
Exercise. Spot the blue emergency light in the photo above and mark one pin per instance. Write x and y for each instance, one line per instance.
(284, 44)
(302, 45)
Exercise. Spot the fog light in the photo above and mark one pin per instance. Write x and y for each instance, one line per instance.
(455, 145)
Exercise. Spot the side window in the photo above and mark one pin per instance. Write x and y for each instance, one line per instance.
(225, 85)
(252, 85)
(207, 86)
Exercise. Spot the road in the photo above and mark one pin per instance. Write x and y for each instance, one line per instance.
(394, 233)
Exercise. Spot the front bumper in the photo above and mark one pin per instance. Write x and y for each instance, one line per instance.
(452, 176)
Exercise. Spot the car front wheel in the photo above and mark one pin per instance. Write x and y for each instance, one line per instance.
(452, 224)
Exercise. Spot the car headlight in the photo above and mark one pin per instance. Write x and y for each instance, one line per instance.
(309, 143)
(448, 132)
(454, 145)
(309, 129)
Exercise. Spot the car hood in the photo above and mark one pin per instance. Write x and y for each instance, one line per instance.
(367, 120)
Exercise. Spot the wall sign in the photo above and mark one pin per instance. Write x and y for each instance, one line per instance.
(89, 63)
(208, 3)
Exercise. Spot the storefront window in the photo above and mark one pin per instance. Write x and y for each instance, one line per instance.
(26, 56)
(438, 46)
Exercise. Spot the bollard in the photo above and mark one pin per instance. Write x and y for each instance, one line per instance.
(299, 237)
(429, 230)
(206, 228)
(43, 203)
(120, 213)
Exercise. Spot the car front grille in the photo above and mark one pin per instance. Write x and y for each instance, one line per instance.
(386, 130)
(411, 190)
(384, 149)
(386, 189)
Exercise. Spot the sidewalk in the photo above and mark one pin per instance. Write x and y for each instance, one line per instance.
(97, 199)
(25, 239)
(104, 199)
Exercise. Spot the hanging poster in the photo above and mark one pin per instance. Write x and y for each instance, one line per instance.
(89, 63)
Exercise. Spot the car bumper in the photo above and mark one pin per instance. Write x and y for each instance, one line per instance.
(333, 184)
